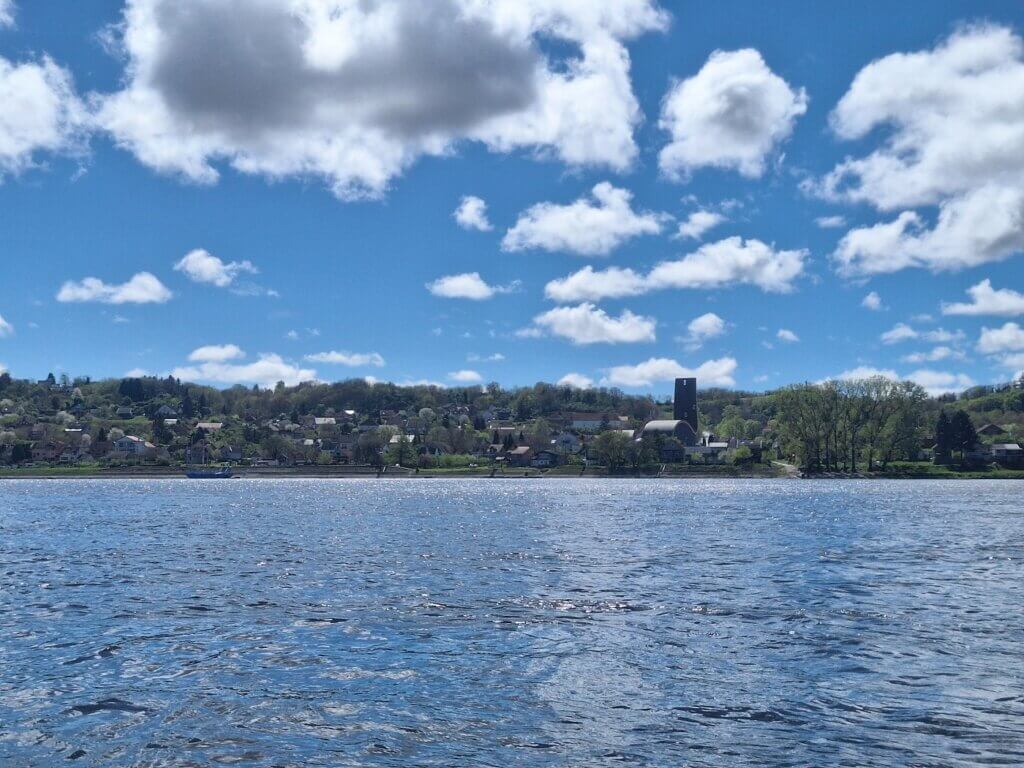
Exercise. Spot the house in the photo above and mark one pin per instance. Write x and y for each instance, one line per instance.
(49, 451)
(346, 447)
(133, 446)
(37, 432)
(101, 448)
(672, 452)
(592, 421)
(991, 430)
(566, 442)
(72, 456)
(320, 422)
(1008, 455)
(230, 453)
(125, 412)
(711, 453)
(197, 453)
(165, 412)
(210, 426)
(519, 457)
(546, 459)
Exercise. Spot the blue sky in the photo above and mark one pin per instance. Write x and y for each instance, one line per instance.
(265, 190)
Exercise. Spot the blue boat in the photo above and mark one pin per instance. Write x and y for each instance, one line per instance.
(210, 474)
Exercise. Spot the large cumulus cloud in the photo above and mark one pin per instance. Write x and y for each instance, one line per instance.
(954, 117)
(354, 91)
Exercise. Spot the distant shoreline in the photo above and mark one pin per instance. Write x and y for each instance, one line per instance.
(723, 472)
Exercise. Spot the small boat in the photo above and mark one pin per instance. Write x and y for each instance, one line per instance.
(210, 474)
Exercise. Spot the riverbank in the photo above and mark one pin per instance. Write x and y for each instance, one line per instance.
(392, 473)
(776, 470)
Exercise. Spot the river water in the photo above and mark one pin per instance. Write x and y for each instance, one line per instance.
(511, 623)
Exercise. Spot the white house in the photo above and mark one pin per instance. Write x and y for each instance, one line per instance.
(130, 445)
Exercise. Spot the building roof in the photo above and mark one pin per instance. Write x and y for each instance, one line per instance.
(663, 425)
(1006, 447)
(991, 429)
(210, 426)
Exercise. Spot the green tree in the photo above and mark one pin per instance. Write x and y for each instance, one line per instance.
(742, 456)
(188, 408)
(161, 434)
(943, 437)
(612, 449)
(402, 452)
(965, 436)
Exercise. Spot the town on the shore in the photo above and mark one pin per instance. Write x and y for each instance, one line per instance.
(870, 426)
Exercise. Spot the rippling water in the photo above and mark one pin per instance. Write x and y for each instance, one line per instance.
(454, 623)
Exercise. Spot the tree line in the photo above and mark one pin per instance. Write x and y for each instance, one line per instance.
(851, 425)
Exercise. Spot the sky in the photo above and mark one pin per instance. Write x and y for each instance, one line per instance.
(597, 192)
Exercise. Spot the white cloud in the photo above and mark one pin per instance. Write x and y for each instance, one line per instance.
(830, 222)
(979, 227)
(216, 353)
(903, 332)
(1009, 338)
(698, 223)
(942, 336)
(465, 377)
(589, 226)
(589, 285)
(707, 326)
(587, 324)
(899, 332)
(351, 359)
(1014, 362)
(934, 382)
(956, 120)
(729, 262)
(354, 92)
(576, 381)
(732, 114)
(787, 336)
(986, 300)
(203, 267)
(136, 373)
(497, 357)
(937, 383)
(143, 288)
(873, 302)
(265, 372)
(40, 113)
(732, 261)
(713, 373)
(6, 329)
(935, 355)
(421, 383)
(6, 13)
(472, 214)
(468, 286)
(867, 372)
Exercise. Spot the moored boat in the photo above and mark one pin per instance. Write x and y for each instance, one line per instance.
(210, 474)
